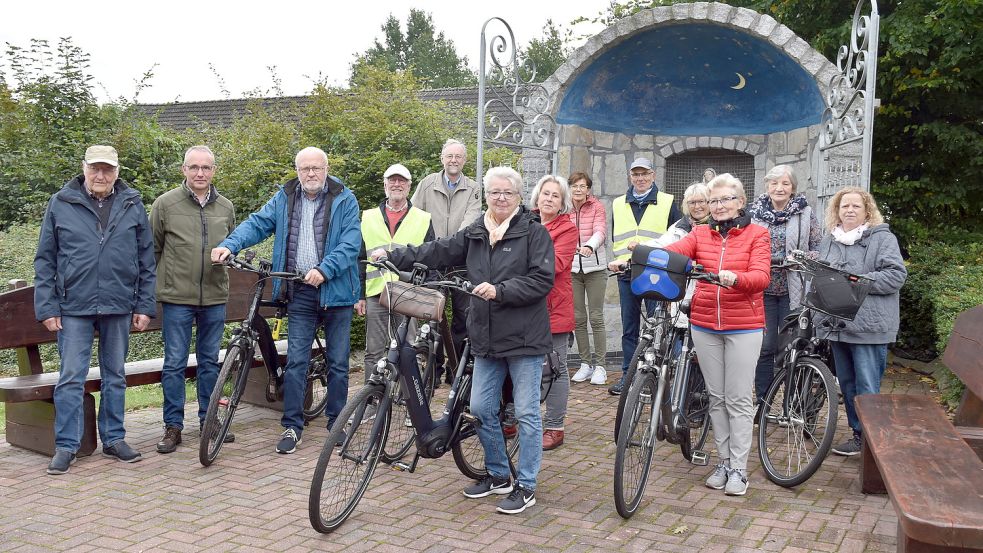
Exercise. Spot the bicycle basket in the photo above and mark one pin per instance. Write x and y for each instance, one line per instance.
(413, 301)
(835, 292)
(658, 274)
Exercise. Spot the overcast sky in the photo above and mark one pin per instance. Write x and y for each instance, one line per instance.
(305, 41)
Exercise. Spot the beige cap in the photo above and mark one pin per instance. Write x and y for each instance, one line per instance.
(641, 163)
(102, 154)
(397, 169)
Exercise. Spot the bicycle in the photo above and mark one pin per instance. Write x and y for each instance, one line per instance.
(798, 413)
(664, 361)
(254, 332)
(354, 444)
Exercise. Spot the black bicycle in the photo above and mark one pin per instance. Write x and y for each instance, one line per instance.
(354, 444)
(664, 361)
(797, 416)
(255, 333)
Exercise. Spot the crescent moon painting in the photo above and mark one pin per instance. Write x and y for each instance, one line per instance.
(740, 82)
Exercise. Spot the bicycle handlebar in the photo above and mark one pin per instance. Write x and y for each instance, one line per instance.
(243, 265)
(454, 282)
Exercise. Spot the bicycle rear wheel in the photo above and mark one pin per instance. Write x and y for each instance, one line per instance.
(697, 416)
(223, 401)
(401, 431)
(793, 443)
(633, 457)
(469, 455)
(629, 378)
(316, 395)
(344, 471)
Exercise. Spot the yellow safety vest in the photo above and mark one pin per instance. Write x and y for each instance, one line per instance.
(655, 221)
(375, 234)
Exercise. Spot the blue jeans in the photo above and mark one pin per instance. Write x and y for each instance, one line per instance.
(776, 309)
(859, 367)
(486, 396)
(631, 313)
(304, 316)
(176, 331)
(75, 349)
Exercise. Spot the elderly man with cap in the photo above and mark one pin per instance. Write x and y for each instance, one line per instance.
(642, 214)
(395, 223)
(94, 272)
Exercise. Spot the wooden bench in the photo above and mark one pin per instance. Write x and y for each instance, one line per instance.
(931, 469)
(29, 397)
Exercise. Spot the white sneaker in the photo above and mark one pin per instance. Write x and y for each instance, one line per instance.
(584, 373)
(600, 376)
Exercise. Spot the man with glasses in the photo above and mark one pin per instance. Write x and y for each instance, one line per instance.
(642, 214)
(453, 201)
(315, 222)
(188, 221)
(94, 273)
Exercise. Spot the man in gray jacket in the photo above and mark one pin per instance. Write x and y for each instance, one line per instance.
(188, 221)
(453, 201)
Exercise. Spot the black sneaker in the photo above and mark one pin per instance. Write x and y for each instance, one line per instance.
(848, 448)
(61, 461)
(229, 436)
(288, 442)
(517, 501)
(487, 486)
(120, 450)
(617, 387)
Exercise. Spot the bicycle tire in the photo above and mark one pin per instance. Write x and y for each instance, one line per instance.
(402, 434)
(629, 378)
(469, 455)
(697, 416)
(793, 445)
(223, 402)
(343, 473)
(316, 394)
(633, 459)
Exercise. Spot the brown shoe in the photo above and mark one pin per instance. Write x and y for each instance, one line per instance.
(170, 441)
(552, 439)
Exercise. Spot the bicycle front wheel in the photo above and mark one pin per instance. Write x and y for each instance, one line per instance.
(794, 441)
(348, 459)
(633, 457)
(223, 402)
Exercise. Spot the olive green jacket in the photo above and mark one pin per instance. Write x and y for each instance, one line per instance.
(184, 235)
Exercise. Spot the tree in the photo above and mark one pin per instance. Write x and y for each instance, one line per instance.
(547, 53)
(428, 54)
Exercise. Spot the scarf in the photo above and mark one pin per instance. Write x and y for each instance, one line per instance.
(741, 220)
(848, 237)
(497, 231)
(763, 210)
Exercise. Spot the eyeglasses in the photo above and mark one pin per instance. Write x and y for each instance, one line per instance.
(579, 186)
(721, 201)
(640, 175)
(696, 203)
(454, 156)
(311, 169)
(202, 168)
(501, 194)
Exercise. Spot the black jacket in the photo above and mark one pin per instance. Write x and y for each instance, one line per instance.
(520, 266)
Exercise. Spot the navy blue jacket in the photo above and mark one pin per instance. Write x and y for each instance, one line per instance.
(82, 271)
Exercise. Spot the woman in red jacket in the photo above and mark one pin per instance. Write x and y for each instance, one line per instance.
(551, 199)
(727, 322)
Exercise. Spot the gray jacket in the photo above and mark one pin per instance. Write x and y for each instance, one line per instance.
(875, 256)
(449, 211)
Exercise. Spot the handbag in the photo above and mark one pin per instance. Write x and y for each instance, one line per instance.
(413, 301)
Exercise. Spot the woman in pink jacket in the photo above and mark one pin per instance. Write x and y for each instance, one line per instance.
(589, 279)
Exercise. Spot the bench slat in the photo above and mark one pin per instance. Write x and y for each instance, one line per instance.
(933, 477)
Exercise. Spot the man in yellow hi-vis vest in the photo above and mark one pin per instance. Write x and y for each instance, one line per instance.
(642, 214)
(395, 223)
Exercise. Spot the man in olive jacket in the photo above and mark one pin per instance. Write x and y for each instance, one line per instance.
(188, 221)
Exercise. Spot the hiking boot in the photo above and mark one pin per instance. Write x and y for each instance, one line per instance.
(585, 372)
(552, 439)
(736, 482)
(718, 478)
(61, 461)
(600, 376)
(170, 441)
(229, 436)
(120, 450)
(510, 430)
(288, 442)
(617, 387)
(517, 501)
(848, 448)
(487, 486)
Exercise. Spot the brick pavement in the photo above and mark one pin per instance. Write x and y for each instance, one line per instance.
(252, 499)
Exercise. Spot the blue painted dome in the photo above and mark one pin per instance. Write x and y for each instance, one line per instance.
(693, 79)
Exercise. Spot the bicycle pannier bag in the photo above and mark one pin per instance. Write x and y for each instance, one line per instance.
(837, 293)
(658, 274)
(413, 301)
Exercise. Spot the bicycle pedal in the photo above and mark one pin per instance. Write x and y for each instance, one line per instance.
(468, 417)
(400, 466)
(699, 458)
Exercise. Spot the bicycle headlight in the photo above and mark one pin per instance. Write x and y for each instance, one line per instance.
(803, 322)
(380, 364)
(649, 357)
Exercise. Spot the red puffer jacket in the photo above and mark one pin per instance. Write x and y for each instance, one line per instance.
(745, 251)
(559, 302)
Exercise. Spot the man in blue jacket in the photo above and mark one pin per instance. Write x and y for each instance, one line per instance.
(94, 271)
(315, 222)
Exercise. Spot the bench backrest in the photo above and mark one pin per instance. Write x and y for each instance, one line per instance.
(19, 329)
(964, 357)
